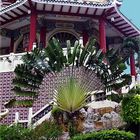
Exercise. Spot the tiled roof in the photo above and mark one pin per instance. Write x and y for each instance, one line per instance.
(108, 10)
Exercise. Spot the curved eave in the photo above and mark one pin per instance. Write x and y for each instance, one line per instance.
(12, 6)
(72, 8)
(14, 11)
(81, 3)
(122, 24)
(63, 7)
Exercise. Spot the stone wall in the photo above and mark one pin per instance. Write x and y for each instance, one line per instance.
(50, 82)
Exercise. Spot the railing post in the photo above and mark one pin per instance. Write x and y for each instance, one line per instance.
(30, 116)
(81, 41)
(138, 79)
(11, 58)
(134, 81)
(16, 117)
(34, 45)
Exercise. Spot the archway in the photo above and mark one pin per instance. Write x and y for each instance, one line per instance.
(63, 36)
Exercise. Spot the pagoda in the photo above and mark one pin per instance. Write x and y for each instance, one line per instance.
(28, 23)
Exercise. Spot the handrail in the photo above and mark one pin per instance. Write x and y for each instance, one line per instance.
(10, 61)
(37, 118)
(127, 88)
(12, 54)
(42, 109)
(41, 114)
(23, 121)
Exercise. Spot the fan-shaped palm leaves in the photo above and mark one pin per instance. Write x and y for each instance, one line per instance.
(70, 97)
(29, 75)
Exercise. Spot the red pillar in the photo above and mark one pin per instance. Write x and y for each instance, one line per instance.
(33, 22)
(11, 45)
(102, 35)
(43, 36)
(132, 65)
(85, 37)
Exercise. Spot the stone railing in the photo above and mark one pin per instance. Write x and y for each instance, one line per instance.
(127, 88)
(37, 118)
(10, 61)
(41, 115)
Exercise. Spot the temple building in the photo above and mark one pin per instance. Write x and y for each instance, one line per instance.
(25, 24)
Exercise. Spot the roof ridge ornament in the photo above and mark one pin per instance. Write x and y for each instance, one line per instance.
(89, 2)
(118, 2)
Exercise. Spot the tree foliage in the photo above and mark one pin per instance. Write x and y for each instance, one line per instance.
(106, 135)
(130, 47)
(29, 75)
(131, 108)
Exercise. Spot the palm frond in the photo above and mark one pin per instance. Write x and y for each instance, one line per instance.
(70, 97)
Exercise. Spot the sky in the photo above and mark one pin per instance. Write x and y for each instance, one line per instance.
(131, 9)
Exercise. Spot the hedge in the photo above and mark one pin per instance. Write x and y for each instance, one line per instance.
(131, 109)
(106, 135)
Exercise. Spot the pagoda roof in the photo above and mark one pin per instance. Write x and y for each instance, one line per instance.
(108, 9)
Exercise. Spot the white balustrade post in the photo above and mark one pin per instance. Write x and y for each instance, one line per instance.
(133, 82)
(16, 117)
(138, 79)
(10, 61)
(133, 79)
(11, 58)
(81, 41)
(30, 116)
(34, 45)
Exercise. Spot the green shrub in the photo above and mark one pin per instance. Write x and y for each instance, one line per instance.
(131, 109)
(135, 91)
(56, 113)
(48, 130)
(106, 135)
(15, 132)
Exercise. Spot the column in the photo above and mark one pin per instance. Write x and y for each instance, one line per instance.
(132, 65)
(11, 45)
(43, 37)
(25, 41)
(85, 37)
(102, 35)
(33, 24)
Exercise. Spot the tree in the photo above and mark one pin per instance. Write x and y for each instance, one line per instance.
(129, 48)
(29, 75)
(71, 97)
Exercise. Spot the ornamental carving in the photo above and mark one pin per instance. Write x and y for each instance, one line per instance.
(98, 1)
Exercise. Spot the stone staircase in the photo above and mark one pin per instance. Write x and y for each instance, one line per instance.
(37, 118)
(127, 88)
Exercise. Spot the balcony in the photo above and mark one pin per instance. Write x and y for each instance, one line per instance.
(10, 61)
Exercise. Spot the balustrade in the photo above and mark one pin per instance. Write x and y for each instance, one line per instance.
(9, 62)
(33, 119)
